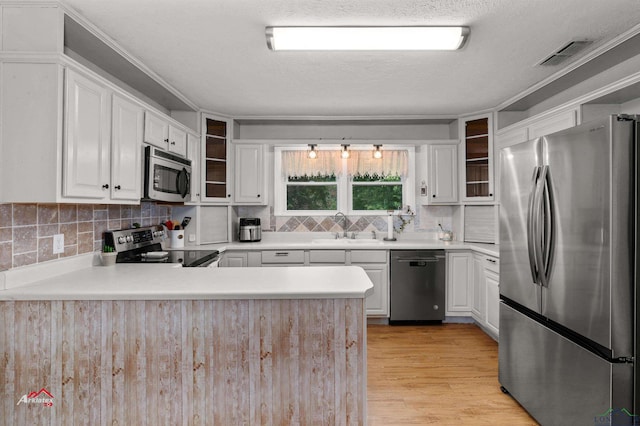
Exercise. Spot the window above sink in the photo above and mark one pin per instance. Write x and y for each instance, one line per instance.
(360, 185)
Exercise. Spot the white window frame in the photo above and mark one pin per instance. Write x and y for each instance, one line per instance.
(344, 183)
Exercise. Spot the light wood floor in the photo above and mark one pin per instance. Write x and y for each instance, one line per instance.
(437, 374)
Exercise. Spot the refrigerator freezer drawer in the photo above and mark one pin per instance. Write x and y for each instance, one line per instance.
(557, 381)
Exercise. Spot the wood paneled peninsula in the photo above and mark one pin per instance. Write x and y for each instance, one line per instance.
(156, 344)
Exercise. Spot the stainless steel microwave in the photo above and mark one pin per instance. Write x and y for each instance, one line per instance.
(167, 177)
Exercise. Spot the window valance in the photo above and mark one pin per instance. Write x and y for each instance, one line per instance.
(392, 163)
(297, 164)
(360, 163)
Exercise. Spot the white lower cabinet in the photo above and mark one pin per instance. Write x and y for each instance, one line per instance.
(478, 308)
(492, 284)
(234, 259)
(240, 259)
(283, 258)
(459, 280)
(486, 293)
(377, 303)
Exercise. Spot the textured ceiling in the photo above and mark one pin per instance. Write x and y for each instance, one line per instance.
(214, 51)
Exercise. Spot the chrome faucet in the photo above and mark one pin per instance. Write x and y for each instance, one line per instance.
(344, 219)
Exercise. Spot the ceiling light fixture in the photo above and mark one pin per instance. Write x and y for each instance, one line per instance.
(366, 38)
(312, 154)
(345, 151)
(377, 153)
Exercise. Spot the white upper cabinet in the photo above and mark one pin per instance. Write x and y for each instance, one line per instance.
(215, 160)
(69, 134)
(87, 144)
(177, 141)
(156, 131)
(126, 149)
(159, 132)
(102, 148)
(250, 183)
(477, 159)
(442, 187)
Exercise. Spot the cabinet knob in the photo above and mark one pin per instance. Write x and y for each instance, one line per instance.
(173, 143)
(105, 186)
(229, 195)
(258, 195)
(117, 187)
(434, 195)
(166, 140)
(490, 195)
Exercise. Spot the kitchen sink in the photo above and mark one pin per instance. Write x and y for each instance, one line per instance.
(345, 241)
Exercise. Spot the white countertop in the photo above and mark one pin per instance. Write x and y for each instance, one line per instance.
(172, 282)
(267, 244)
(79, 278)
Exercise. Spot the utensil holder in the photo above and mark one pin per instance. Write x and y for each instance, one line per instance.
(176, 239)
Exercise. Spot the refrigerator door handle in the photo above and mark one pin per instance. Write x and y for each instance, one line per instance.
(539, 226)
(531, 232)
(548, 227)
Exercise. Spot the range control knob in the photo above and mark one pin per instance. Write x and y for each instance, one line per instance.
(121, 240)
(129, 238)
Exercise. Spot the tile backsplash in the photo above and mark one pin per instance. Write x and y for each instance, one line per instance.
(426, 219)
(26, 230)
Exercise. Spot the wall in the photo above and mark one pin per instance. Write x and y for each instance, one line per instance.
(347, 129)
(26, 230)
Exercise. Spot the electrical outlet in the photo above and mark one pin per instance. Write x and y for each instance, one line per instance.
(58, 243)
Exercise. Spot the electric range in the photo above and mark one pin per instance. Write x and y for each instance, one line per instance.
(143, 245)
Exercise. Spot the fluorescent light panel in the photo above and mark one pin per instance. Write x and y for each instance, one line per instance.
(366, 38)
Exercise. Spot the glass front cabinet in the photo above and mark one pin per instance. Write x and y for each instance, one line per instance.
(477, 153)
(216, 162)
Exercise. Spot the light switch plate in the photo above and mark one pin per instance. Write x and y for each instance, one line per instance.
(58, 243)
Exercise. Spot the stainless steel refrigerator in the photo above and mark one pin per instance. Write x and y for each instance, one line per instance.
(568, 236)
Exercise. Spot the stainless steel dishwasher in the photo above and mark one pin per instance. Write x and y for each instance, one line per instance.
(417, 285)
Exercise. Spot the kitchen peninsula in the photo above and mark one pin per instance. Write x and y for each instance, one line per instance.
(134, 344)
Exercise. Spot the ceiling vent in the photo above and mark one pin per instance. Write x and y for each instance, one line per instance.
(565, 52)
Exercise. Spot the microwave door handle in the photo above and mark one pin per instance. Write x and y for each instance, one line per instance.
(182, 183)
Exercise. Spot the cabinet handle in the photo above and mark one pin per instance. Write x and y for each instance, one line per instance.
(166, 140)
(118, 187)
(105, 186)
(491, 260)
(282, 253)
(173, 143)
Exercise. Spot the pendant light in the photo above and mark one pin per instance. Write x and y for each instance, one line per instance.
(345, 151)
(377, 153)
(312, 153)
